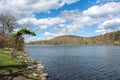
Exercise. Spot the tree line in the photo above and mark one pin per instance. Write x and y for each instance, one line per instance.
(7, 24)
(112, 38)
(9, 38)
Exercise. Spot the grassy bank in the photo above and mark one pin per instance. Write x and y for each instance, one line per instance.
(17, 69)
(8, 65)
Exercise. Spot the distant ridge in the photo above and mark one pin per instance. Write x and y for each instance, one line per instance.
(112, 38)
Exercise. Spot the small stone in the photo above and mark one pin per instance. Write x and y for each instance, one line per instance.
(29, 67)
(45, 74)
(40, 67)
(35, 74)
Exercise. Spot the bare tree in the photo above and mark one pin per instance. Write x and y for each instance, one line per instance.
(7, 23)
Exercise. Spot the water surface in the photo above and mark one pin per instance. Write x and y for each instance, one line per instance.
(78, 62)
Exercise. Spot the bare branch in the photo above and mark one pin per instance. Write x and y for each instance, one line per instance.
(7, 23)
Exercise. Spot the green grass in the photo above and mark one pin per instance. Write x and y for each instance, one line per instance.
(13, 67)
(8, 65)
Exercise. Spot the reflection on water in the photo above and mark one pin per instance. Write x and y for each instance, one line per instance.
(78, 62)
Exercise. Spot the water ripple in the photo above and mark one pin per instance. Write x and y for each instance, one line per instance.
(79, 62)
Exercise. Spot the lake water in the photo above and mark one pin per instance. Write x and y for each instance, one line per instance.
(78, 62)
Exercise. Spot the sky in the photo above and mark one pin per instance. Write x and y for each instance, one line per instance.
(51, 18)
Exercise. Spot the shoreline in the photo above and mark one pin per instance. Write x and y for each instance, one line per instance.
(20, 68)
(38, 69)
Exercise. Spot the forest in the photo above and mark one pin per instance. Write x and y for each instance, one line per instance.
(112, 38)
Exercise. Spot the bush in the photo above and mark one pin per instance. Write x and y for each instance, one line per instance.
(8, 41)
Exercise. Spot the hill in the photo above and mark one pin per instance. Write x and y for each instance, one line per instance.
(112, 38)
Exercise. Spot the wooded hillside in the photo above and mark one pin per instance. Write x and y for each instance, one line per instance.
(112, 38)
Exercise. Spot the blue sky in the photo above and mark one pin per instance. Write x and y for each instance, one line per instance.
(80, 5)
(51, 18)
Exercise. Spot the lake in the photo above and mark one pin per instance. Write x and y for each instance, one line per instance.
(72, 62)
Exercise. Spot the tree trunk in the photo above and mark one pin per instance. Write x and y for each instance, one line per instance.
(15, 46)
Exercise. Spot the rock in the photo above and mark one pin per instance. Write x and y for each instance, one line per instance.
(19, 57)
(35, 74)
(44, 76)
(29, 67)
(30, 62)
(21, 53)
(37, 68)
(40, 67)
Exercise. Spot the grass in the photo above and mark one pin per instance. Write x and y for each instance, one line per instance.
(8, 65)
(11, 68)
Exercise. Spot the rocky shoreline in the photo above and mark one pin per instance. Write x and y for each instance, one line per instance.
(33, 71)
(37, 68)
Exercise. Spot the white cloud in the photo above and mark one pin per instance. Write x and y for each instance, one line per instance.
(105, 1)
(109, 25)
(24, 11)
(47, 34)
(41, 23)
(34, 5)
(71, 1)
(42, 27)
(106, 16)
(103, 11)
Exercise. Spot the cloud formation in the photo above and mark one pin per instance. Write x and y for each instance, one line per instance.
(109, 25)
(27, 7)
(106, 16)
(105, 1)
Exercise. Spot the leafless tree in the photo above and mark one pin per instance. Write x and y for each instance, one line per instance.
(7, 23)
